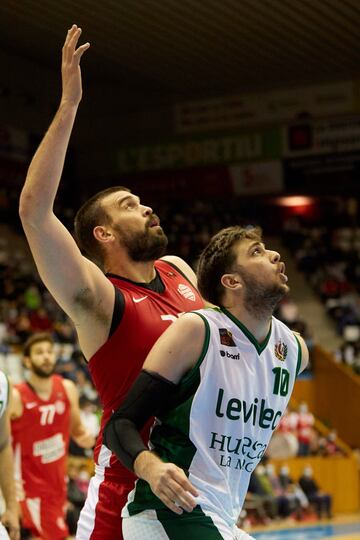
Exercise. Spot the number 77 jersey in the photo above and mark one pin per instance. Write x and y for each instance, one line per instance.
(40, 438)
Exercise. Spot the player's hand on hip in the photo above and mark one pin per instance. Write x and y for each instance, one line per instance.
(70, 67)
(171, 485)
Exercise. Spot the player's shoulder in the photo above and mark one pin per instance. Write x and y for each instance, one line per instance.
(190, 325)
(70, 391)
(182, 267)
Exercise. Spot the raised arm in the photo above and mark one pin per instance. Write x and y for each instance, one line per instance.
(176, 351)
(76, 283)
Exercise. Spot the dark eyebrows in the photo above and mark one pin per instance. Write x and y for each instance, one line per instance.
(256, 244)
(130, 196)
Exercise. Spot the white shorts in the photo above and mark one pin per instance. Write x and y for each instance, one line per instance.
(3, 534)
(165, 525)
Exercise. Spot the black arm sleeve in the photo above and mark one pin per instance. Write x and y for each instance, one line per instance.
(147, 397)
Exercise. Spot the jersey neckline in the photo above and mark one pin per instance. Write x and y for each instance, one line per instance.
(156, 284)
(260, 347)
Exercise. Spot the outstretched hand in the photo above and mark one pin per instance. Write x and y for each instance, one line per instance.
(70, 67)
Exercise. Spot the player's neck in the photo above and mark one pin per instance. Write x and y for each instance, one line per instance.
(258, 327)
(140, 272)
(42, 386)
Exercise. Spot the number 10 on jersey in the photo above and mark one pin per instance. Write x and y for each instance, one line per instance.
(281, 384)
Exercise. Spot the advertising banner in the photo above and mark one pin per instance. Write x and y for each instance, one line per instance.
(278, 106)
(257, 178)
(202, 152)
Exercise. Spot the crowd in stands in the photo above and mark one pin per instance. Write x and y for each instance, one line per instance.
(330, 258)
(273, 495)
(297, 428)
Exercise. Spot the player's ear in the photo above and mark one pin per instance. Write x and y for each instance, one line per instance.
(231, 282)
(26, 361)
(103, 234)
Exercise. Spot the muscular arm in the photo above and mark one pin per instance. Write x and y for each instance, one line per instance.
(175, 353)
(304, 353)
(76, 283)
(78, 431)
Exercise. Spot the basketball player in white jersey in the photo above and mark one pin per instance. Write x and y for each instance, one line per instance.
(218, 381)
(10, 518)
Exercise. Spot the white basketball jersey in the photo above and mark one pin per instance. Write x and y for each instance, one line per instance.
(4, 393)
(227, 410)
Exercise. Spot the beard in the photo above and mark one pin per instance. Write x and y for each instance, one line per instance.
(144, 246)
(260, 299)
(43, 373)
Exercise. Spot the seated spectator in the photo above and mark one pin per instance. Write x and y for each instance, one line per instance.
(261, 491)
(331, 447)
(305, 429)
(288, 502)
(289, 422)
(321, 501)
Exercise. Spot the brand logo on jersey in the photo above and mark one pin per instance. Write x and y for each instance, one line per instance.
(137, 300)
(60, 407)
(281, 351)
(255, 412)
(229, 355)
(30, 405)
(226, 337)
(186, 292)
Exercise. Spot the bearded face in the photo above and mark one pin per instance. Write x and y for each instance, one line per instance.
(261, 295)
(44, 371)
(146, 245)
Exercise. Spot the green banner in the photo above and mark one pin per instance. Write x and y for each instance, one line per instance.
(202, 151)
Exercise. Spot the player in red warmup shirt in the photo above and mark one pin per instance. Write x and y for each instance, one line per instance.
(44, 414)
(119, 315)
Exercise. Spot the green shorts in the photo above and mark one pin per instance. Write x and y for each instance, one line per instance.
(165, 525)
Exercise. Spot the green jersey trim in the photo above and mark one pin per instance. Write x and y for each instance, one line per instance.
(299, 358)
(260, 347)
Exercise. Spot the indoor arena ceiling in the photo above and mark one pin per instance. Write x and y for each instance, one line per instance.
(194, 47)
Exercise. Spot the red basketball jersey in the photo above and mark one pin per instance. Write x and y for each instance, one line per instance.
(40, 439)
(147, 314)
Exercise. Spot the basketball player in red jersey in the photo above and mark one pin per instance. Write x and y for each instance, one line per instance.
(44, 414)
(119, 315)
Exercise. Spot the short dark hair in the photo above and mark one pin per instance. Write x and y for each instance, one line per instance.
(36, 338)
(91, 214)
(218, 258)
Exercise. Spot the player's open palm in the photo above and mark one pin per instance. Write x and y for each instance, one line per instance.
(171, 485)
(70, 67)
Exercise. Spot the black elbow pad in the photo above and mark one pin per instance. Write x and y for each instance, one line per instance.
(148, 396)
